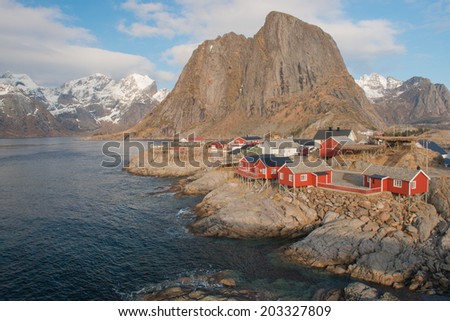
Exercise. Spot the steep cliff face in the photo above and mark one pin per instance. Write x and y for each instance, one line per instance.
(289, 78)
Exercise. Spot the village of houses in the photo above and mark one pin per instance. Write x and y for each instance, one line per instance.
(290, 164)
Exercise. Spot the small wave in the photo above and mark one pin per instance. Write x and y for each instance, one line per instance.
(185, 212)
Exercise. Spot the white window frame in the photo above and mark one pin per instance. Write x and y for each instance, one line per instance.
(281, 175)
(368, 179)
(291, 178)
(413, 185)
(274, 171)
(303, 177)
(398, 183)
(263, 171)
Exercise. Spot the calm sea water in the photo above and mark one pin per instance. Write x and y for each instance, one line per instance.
(73, 230)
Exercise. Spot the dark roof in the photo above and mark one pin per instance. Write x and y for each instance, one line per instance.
(304, 142)
(252, 158)
(308, 167)
(247, 146)
(404, 174)
(235, 151)
(321, 173)
(325, 133)
(432, 146)
(377, 176)
(343, 140)
(447, 161)
(274, 161)
(250, 137)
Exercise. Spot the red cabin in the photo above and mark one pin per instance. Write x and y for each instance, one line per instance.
(217, 145)
(396, 180)
(261, 166)
(246, 167)
(246, 140)
(305, 174)
(268, 165)
(332, 145)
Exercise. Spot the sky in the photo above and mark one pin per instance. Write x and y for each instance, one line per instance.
(55, 41)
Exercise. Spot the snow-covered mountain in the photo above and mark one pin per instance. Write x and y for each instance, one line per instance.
(93, 103)
(416, 101)
(376, 86)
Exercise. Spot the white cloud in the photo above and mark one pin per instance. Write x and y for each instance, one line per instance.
(166, 76)
(199, 20)
(179, 55)
(142, 10)
(352, 39)
(36, 41)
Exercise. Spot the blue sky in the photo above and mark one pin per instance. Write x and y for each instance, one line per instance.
(56, 41)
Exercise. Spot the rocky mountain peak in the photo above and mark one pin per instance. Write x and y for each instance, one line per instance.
(96, 102)
(377, 86)
(416, 101)
(21, 81)
(289, 77)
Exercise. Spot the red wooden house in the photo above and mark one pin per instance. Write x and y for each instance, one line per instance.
(246, 140)
(195, 139)
(305, 174)
(246, 167)
(332, 145)
(268, 165)
(217, 145)
(261, 166)
(396, 180)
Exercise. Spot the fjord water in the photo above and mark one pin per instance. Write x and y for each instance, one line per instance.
(71, 229)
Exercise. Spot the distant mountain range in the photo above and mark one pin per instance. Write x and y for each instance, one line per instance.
(416, 101)
(95, 103)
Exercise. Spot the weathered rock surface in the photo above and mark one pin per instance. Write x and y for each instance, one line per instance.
(206, 182)
(374, 249)
(440, 196)
(220, 286)
(360, 292)
(236, 211)
(334, 243)
(355, 291)
(287, 78)
(164, 163)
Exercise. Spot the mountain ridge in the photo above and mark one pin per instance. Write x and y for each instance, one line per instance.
(416, 101)
(289, 78)
(92, 103)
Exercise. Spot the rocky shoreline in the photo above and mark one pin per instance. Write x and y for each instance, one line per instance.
(380, 238)
(227, 286)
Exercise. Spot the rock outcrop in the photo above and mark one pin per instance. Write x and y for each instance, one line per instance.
(236, 211)
(288, 78)
(219, 286)
(204, 183)
(375, 238)
(440, 196)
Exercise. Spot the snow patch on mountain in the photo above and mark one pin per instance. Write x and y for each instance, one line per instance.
(21, 81)
(161, 94)
(97, 96)
(377, 86)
